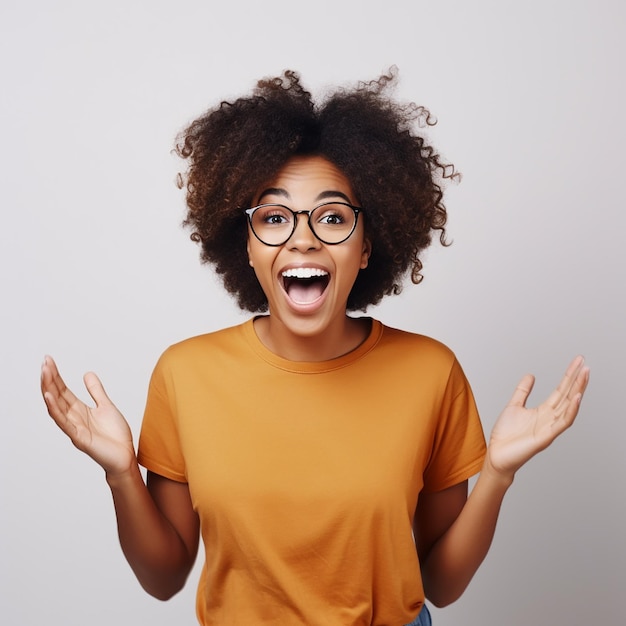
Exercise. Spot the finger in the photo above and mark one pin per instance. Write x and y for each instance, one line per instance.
(583, 380)
(567, 409)
(579, 384)
(54, 410)
(96, 389)
(61, 416)
(522, 391)
(572, 405)
(53, 384)
(48, 371)
(569, 385)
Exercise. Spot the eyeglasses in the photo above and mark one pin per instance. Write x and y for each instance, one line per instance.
(330, 222)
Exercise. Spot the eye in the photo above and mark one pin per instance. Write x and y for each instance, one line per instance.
(331, 219)
(333, 214)
(275, 219)
(272, 215)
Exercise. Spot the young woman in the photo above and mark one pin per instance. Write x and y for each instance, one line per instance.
(323, 457)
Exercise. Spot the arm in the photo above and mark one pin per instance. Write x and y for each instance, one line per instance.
(157, 526)
(453, 533)
(158, 530)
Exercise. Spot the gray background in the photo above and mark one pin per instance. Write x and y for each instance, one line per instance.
(96, 270)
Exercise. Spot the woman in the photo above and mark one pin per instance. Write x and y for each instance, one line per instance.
(324, 458)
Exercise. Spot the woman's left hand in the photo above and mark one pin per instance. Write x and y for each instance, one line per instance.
(520, 432)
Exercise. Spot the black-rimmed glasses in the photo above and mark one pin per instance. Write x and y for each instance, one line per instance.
(330, 222)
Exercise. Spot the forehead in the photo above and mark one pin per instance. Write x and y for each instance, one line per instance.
(306, 177)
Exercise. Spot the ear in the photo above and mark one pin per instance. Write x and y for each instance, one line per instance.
(248, 251)
(365, 253)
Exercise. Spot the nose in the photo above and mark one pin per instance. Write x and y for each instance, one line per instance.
(302, 237)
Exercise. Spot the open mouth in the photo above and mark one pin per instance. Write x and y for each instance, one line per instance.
(305, 285)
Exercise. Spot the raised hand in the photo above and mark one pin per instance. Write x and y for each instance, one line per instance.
(521, 432)
(100, 431)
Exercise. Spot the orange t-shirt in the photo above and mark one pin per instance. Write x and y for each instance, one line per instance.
(305, 476)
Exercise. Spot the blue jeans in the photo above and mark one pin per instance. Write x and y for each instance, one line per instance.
(423, 619)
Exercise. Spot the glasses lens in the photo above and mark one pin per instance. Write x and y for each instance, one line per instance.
(272, 223)
(333, 222)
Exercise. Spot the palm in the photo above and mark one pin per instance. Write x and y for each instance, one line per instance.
(521, 432)
(100, 431)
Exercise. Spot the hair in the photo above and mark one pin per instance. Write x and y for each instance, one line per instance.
(237, 146)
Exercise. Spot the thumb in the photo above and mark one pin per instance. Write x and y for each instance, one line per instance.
(522, 391)
(95, 389)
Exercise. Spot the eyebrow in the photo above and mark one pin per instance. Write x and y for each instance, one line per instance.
(333, 194)
(277, 191)
(274, 191)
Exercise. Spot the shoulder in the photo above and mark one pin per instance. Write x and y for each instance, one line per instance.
(414, 345)
(418, 358)
(226, 341)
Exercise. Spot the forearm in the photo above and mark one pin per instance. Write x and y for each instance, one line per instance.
(455, 557)
(449, 563)
(156, 553)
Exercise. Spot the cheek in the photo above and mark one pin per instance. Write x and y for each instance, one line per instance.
(259, 256)
(261, 259)
(351, 264)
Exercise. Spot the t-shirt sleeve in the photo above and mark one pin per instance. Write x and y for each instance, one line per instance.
(159, 442)
(459, 443)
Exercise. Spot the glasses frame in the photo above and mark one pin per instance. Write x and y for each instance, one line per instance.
(356, 210)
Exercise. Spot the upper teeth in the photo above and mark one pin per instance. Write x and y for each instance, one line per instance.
(304, 272)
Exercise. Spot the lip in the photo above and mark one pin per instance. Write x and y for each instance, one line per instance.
(309, 307)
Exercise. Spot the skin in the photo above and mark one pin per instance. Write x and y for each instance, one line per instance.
(323, 331)
(158, 529)
(157, 526)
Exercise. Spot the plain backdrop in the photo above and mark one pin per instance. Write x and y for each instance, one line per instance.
(97, 271)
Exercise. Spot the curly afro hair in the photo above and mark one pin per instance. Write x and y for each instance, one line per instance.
(237, 146)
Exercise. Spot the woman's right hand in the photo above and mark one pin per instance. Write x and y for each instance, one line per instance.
(100, 431)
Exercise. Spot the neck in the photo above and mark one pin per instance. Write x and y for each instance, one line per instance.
(343, 337)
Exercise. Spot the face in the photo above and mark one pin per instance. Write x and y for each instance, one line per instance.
(307, 282)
